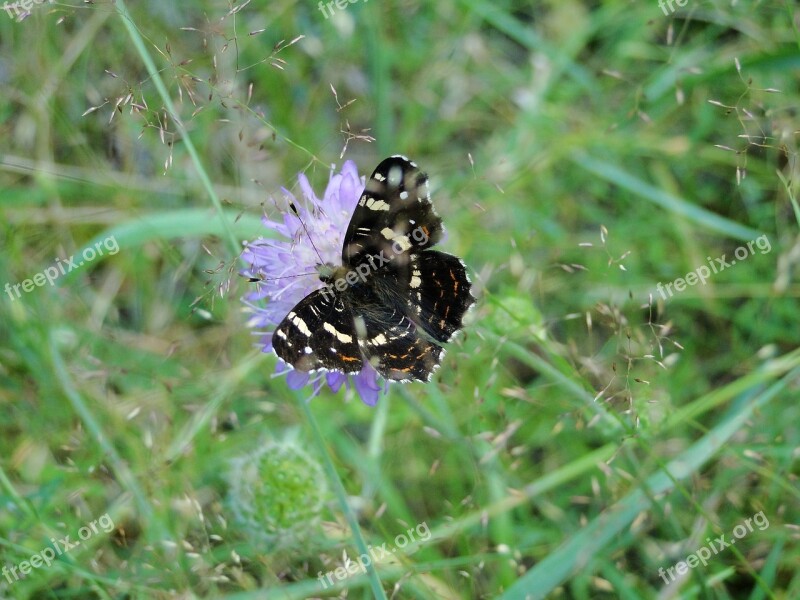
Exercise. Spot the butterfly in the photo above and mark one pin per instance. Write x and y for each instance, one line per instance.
(393, 301)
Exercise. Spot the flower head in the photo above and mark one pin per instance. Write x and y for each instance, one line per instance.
(277, 494)
(285, 270)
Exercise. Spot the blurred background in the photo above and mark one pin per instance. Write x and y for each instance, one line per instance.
(607, 415)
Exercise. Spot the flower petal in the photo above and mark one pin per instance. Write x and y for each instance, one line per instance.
(296, 379)
(366, 383)
(335, 380)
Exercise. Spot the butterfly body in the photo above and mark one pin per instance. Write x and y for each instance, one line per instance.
(393, 301)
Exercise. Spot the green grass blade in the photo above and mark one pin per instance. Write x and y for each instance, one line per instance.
(138, 43)
(669, 202)
(578, 551)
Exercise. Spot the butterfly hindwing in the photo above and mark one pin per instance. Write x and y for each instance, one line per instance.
(390, 342)
(438, 293)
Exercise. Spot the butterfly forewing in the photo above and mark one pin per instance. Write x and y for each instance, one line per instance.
(319, 333)
(394, 214)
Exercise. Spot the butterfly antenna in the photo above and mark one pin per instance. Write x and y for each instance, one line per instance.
(255, 279)
(296, 214)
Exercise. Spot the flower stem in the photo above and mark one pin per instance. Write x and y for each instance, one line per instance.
(341, 496)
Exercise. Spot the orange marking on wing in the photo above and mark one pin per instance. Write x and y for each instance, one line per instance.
(453, 277)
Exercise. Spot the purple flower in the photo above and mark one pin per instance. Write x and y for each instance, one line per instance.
(286, 270)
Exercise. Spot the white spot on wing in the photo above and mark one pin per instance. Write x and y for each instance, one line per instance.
(379, 339)
(300, 324)
(342, 337)
(374, 204)
(416, 280)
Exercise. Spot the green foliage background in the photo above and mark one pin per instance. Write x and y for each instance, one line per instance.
(584, 433)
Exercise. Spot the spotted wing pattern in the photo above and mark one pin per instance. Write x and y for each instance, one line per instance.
(319, 333)
(408, 301)
(438, 293)
(394, 214)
